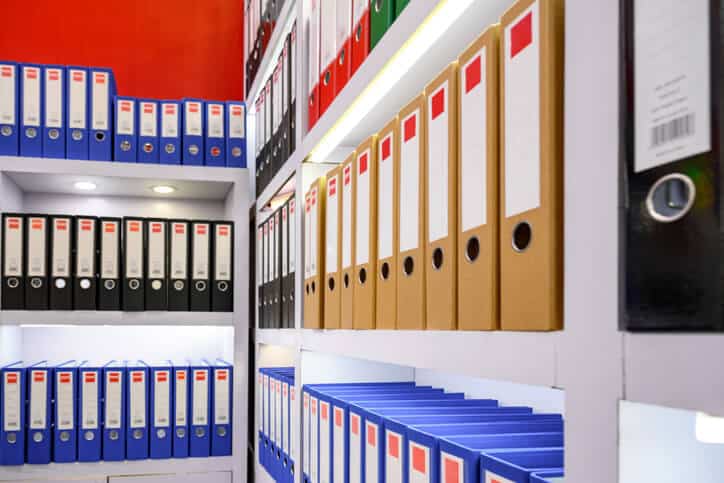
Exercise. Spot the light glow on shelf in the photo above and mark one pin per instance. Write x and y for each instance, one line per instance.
(709, 429)
(163, 189)
(84, 185)
(430, 30)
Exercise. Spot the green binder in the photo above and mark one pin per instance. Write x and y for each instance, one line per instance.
(382, 14)
(400, 6)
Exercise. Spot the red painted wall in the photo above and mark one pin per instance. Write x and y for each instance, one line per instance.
(165, 49)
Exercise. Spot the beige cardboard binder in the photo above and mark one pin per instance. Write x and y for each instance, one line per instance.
(347, 240)
(441, 193)
(478, 184)
(531, 156)
(388, 154)
(365, 252)
(412, 218)
(332, 250)
(314, 238)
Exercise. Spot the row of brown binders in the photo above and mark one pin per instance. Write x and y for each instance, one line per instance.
(451, 216)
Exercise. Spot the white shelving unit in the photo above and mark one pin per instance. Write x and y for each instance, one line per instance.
(34, 185)
(594, 363)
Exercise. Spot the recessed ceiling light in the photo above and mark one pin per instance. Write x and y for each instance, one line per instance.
(163, 190)
(84, 185)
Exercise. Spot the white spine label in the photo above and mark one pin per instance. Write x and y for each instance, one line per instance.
(410, 183)
(85, 247)
(126, 117)
(89, 400)
(161, 400)
(201, 397)
(64, 403)
(347, 216)
(221, 396)
(169, 120)
(134, 248)
(181, 396)
(215, 113)
(192, 119)
(11, 401)
(61, 247)
(438, 163)
(672, 89)
(13, 263)
(77, 99)
(114, 385)
(38, 399)
(36, 247)
(101, 101)
(385, 187)
(137, 399)
(331, 260)
(522, 113)
(31, 96)
(236, 121)
(179, 250)
(149, 119)
(223, 252)
(201, 251)
(109, 249)
(8, 93)
(53, 98)
(473, 155)
(156, 249)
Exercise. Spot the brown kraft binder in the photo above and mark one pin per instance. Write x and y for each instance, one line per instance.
(347, 228)
(365, 255)
(333, 245)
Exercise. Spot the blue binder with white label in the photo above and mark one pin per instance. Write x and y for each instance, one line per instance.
(193, 132)
(90, 410)
(65, 394)
(54, 106)
(236, 134)
(215, 134)
(125, 139)
(12, 414)
(460, 456)
(148, 126)
(170, 135)
(201, 400)
(31, 110)
(517, 466)
(181, 408)
(77, 105)
(9, 108)
(160, 410)
(222, 410)
(137, 410)
(102, 92)
(38, 417)
(114, 411)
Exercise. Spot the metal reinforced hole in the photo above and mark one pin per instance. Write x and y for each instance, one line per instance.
(134, 284)
(408, 266)
(113, 435)
(437, 258)
(38, 437)
(671, 198)
(53, 134)
(327, 77)
(378, 5)
(89, 436)
(6, 131)
(522, 235)
(36, 282)
(200, 285)
(125, 145)
(12, 438)
(385, 271)
(330, 284)
(180, 432)
(223, 286)
(109, 284)
(221, 431)
(100, 136)
(358, 33)
(342, 56)
(170, 148)
(472, 249)
(77, 135)
(346, 280)
(148, 147)
(156, 285)
(178, 285)
(200, 432)
(64, 436)
(31, 132)
(193, 150)
(137, 433)
(13, 282)
(161, 433)
(362, 276)
(85, 284)
(60, 283)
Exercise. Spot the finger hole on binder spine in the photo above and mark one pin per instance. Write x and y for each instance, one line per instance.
(306, 287)
(385, 271)
(671, 197)
(341, 57)
(362, 276)
(522, 236)
(314, 287)
(330, 284)
(378, 5)
(346, 280)
(100, 136)
(472, 249)
(358, 33)
(437, 258)
(408, 266)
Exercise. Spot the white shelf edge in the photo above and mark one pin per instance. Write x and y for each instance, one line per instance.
(103, 469)
(288, 8)
(279, 180)
(116, 169)
(115, 318)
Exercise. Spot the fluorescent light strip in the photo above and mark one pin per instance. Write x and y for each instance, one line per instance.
(709, 429)
(426, 35)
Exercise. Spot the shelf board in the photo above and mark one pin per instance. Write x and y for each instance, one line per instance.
(475, 17)
(113, 317)
(273, 49)
(522, 357)
(43, 175)
(103, 469)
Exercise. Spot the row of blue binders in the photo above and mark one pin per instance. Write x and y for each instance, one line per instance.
(114, 411)
(401, 432)
(277, 431)
(55, 111)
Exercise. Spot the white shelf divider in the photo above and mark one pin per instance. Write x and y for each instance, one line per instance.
(114, 317)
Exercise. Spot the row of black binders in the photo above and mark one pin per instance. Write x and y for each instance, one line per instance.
(63, 262)
(275, 118)
(275, 268)
(260, 21)
(114, 411)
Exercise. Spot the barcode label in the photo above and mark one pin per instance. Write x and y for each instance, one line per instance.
(672, 130)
